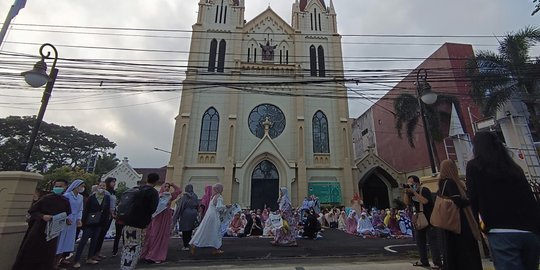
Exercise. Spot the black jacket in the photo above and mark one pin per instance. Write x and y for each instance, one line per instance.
(504, 200)
(92, 206)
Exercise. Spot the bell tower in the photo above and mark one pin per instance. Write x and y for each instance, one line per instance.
(221, 14)
(313, 17)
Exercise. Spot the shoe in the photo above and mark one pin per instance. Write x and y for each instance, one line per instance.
(90, 261)
(185, 248)
(217, 252)
(114, 254)
(101, 257)
(77, 265)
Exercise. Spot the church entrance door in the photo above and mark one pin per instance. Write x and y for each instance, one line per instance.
(375, 193)
(264, 186)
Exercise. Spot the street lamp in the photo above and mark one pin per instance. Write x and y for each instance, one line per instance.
(426, 96)
(37, 77)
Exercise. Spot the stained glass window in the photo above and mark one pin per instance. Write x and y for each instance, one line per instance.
(259, 114)
(320, 133)
(209, 131)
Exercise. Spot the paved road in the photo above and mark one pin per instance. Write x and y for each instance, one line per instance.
(248, 253)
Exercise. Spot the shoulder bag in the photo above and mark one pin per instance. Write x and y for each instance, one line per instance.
(419, 219)
(445, 213)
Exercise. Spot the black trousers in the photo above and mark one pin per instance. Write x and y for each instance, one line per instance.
(186, 237)
(117, 236)
(102, 234)
(429, 234)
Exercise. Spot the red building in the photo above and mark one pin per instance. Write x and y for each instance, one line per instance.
(382, 158)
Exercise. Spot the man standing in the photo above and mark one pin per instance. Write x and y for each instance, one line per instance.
(144, 206)
(35, 251)
(415, 195)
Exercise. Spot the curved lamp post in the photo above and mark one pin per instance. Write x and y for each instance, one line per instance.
(37, 77)
(426, 96)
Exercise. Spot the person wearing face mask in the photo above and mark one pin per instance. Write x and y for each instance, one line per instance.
(156, 243)
(35, 251)
(66, 240)
(110, 182)
(419, 199)
(96, 213)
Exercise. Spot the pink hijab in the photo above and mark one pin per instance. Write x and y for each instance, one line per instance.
(206, 198)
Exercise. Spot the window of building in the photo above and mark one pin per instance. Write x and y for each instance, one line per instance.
(221, 56)
(259, 114)
(322, 68)
(212, 56)
(320, 133)
(313, 60)
(209, 131)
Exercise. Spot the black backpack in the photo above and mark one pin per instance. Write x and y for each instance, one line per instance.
(125, 209)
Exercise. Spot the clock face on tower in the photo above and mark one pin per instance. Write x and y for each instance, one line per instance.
(259, 115)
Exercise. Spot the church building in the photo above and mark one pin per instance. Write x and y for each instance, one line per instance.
(264, 106)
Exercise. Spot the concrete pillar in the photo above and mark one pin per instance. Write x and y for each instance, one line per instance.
(16, 193)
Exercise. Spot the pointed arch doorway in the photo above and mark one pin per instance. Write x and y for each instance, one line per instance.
(264, 186)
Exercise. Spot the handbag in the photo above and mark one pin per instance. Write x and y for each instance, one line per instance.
(93, 218)
(419, 219)
(445, 213)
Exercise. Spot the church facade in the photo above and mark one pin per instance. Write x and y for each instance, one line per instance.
(264, 106)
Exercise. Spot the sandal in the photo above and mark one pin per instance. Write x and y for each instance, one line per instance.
(435, 267)
(217, 252)
(419, 264)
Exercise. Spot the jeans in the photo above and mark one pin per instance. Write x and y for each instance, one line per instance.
(91, 233)
(422, 238)
(515, 251)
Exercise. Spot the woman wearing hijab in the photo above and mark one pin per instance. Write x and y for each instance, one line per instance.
(236, 227)
(286, 235)
(264, 215)
(365, 228)
(187, 211)
(341, 221)
(352, 222)
(393, 224)
(462, 251)
(205, 200)
(311, 225)
(254, 226)
(378, 224)
(209, 232)
(95, 214)
(405, 225)
(497, 187)
(156, 242)
(66, 240)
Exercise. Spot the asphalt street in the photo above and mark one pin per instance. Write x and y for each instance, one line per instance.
(253, 252)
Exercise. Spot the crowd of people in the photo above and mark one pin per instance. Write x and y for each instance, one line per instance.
(145, 220)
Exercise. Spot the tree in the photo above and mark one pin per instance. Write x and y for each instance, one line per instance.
(56, 146)
(69, 174)
(407, 110)
(106, 163)
(498, 77)
(537, 8)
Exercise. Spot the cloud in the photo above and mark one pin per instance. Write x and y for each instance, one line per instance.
(140, 122)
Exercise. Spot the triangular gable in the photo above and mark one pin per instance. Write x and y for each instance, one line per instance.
(371, 161)
(265, 14)
(455, 124)
(123, 172)
(265, 145)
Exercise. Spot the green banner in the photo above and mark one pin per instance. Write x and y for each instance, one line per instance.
(328, 192)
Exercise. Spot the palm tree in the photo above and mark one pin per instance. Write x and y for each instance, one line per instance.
(498, 77)
(407, 112)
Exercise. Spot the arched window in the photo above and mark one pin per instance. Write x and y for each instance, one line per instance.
(313, 60)
(209, 131)
(322, 68)
(221, 56)
(212, 56)
(320, 133)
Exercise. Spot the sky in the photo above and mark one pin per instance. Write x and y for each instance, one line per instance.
(140, 121)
